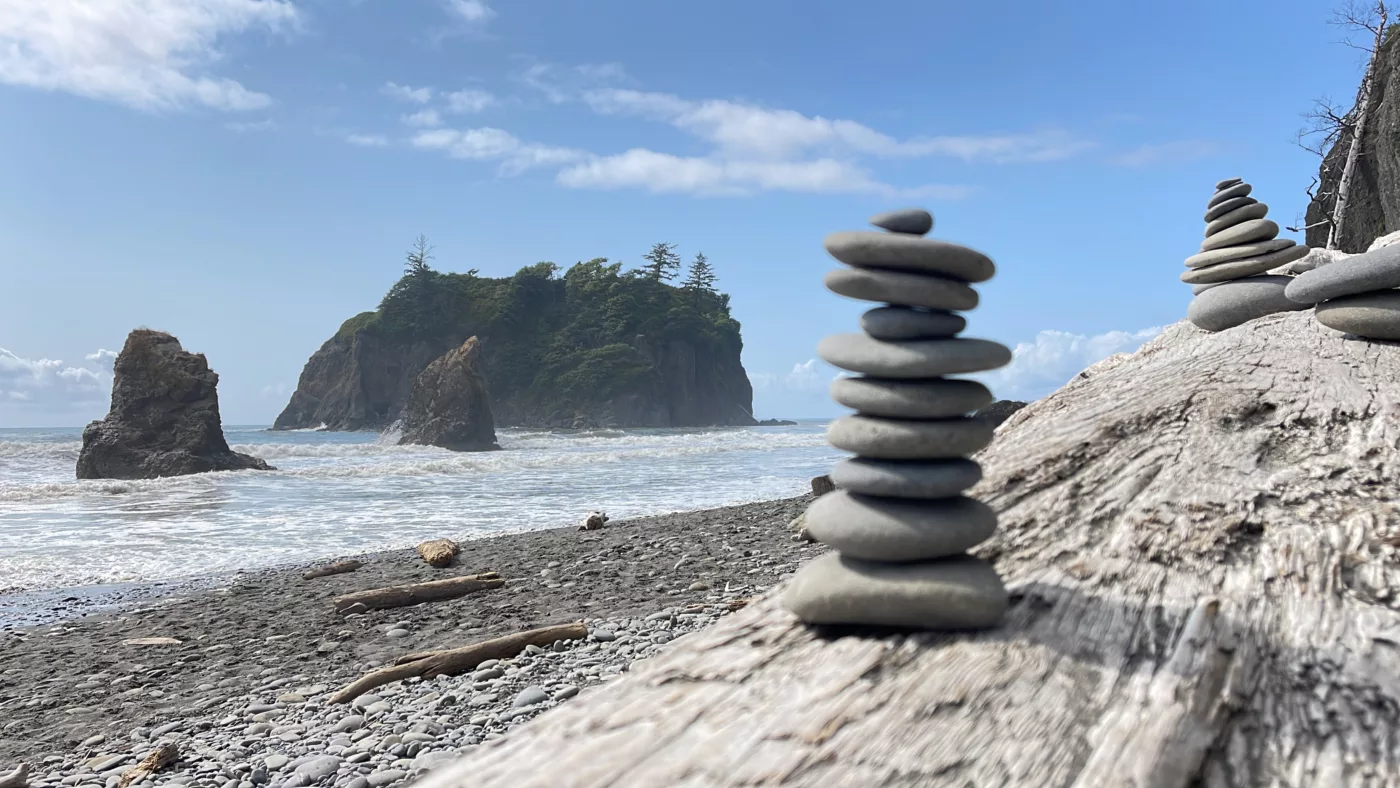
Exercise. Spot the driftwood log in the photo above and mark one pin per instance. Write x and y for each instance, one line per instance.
(821, 485)
(337, 568)
(438, 552)
(16, 778)
(160, 757)
(1200, 539)
(418, 593)
(430, 664)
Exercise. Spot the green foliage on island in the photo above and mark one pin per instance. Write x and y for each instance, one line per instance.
(555, 340)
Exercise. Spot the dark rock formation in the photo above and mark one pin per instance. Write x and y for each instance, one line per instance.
(449, 406)
(1373, 201)
(776, 423)
(164, 419)
(1000, 410)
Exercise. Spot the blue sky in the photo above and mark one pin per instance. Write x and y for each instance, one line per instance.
(246, 174)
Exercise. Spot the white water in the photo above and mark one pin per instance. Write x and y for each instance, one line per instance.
(344, 493)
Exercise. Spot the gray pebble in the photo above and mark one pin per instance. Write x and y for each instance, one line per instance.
(319, 767)
(386, 777)
(1232, 204)
(565, 692)
(1239, 269)
(603, 635)
(1237, 252)
(896, 287)
(1371, 315)
(351, 723)
(1364, 273)
(867, 249)
(1252, 231)
(529, 697)
(906, 479)
(488, 674)
(905, 439)
(397, 633)
(948, 594)
(1238, 302)
(1242, 214)
(910, 221)
(276, 761)
(358, 781)
(925, 358)
(898, 529)
(911, 399)
(1229, 192)
(902, 322)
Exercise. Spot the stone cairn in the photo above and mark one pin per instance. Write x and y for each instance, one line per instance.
(1356, 295)
(897, 517)
(1228, 274)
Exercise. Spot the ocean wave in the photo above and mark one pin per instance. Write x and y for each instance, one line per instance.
(40, 450)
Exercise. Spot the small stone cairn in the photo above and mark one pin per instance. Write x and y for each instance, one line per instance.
(1228, 274)
(1355, 295)
(897, 519)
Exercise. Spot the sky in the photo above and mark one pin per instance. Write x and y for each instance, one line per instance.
(247, 174)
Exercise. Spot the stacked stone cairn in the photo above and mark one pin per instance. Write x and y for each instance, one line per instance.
(1356, 295)
(897, 519)
(1228, 274)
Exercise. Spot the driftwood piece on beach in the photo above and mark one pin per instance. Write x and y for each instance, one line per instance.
(418, 593)
(160, 757)
(17, 778)
(1201, 541)
(337, 568)
(450, 662)
(821, 485)
(438, 552)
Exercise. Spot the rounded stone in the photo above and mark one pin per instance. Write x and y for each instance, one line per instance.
(937, 398)
(906, 479)
(1249, 266)
(898, 529)
(909, 221)
(1256, 211)
(949, 594)
(920, 358)
(1229, 193)
(900, 322)
(1236, 303)
(1198, 289)
(910, 439)
(1252, 231)
(1231, 204)
(869, 249)
(1227, 183)
(904, 289)
(1237, 252)
(1372, 315)
(1376, 270)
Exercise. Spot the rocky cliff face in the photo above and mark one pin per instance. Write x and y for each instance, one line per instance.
(448, 405)
(1373, 202)
(164, 419)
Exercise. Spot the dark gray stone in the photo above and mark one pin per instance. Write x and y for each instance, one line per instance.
(1256, 211)
(1227, 183)
(906, 479)
(938, 398)
(1252, 231)
(924, 358)
(906, 289)
(1249, 266)
(868, 249)
(910, 439)
(899, 322)
(1229, 205)
(910, 221)
(1228, 193)
(1236, 303)
(949, 594)
(1375, 270)
(1216, 256)
(898, 529)
(1373, 315)
(1198, 289)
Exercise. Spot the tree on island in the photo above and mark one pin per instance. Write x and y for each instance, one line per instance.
(663, 264)
(702, 275)
(416, 261)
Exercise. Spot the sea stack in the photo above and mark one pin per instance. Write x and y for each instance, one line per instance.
(1228, 274)
(898, 520)
(1356, 295)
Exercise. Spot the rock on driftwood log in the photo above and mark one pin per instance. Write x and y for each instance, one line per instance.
(1200, 540)
(438, 552)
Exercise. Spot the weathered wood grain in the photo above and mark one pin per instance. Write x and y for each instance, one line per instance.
(418, 593)
(1201, 543)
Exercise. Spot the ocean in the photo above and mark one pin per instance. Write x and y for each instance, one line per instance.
(341, 493)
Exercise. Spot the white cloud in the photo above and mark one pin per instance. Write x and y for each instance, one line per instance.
(469, 100)
(488, 144)
(261, 125)
(471, 11)
(427, 117)
(147, 54)
(1177, 152)
(54, 386)
(805, 376)
(406, 93)
(1054, 357)
(367, 140)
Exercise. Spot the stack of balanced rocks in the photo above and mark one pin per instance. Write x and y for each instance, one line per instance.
(1356, 295)
(897, 518)
(1227, 275)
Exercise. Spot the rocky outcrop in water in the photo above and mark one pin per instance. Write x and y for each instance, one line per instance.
(164, 419)
(449, 406)
(999, 411)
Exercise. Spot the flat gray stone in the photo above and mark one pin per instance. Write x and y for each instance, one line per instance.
(1227, 183)
(530, 696)
(899, 322)
(898, 529)
(1231, 204)
(905, 289)
(1374, 270)
(919, 358)
(938, 398)
(1250, 232)
(906, 479)
(320, 767)
(910, 439)
(1237, 252)
(1228, 193)
(1249, 266)
(1371, 315)
(910, 221)
(1198, 289)
(869, 249)
(1236, 303)
(948, 594)
(1256, 211)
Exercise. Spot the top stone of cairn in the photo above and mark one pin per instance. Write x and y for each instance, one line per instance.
(910, 221)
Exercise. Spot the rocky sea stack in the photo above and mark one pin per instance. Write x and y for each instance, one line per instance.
(164, 419)
(898, 519)
(449, 406)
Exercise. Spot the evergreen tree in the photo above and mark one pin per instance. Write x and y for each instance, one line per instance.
(702, 275)
(419, 254)
(663, 264)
